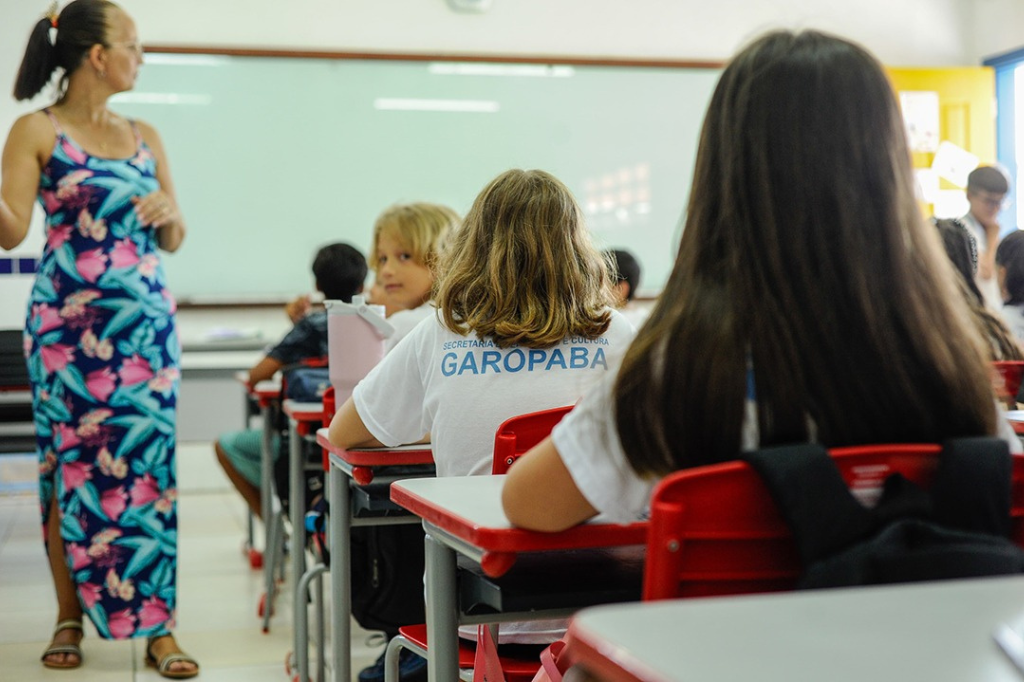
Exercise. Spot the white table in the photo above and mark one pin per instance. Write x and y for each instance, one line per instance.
(463, 515)
(926, 631)
(347, 470)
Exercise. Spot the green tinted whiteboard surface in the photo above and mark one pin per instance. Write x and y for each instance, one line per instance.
(273, 156)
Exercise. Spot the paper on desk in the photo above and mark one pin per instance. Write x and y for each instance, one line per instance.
(954, 163)
(231, 334)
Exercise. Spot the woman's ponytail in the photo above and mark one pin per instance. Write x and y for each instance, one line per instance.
(39, 63)
(81, 25)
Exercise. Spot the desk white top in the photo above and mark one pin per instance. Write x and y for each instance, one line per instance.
(469, 508)
(220, 360)
(936, 632)
(477, 499)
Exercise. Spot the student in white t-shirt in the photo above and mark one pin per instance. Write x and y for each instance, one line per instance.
(524, 323)
(625, 270)
(1010, 275)
(407, 239)
(809, 300)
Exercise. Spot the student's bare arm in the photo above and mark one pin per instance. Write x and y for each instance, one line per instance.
(540, 494)
(263, 370)
(347, 429)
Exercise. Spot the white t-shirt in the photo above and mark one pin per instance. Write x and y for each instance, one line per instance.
(404, 321)
(588, 443)
(637, 312)
(460, 389)
(989, 287)
(1013, 315)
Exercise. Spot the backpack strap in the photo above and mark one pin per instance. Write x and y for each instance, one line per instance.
(971, 490)
(812, 498)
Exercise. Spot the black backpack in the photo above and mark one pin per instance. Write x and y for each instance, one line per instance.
(958, 528)
(387, 571)
(304, 384)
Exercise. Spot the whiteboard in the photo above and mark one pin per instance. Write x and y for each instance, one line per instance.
(275, 156)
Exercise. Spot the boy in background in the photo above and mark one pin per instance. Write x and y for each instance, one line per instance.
(625, 272)
(339, 271)
(986, 194)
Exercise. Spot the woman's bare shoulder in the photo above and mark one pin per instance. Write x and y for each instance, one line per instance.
(33, 132)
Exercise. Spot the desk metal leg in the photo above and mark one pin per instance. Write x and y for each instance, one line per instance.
(442, 611)
(297, 513)
(341, 575)
(267, 508)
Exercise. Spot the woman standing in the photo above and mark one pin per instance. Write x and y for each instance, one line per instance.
(100, 336)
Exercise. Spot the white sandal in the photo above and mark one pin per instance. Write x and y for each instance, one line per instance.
(71, 649)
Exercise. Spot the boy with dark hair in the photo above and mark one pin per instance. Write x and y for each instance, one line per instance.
(986, 194)
(339, 270)
(625, 272)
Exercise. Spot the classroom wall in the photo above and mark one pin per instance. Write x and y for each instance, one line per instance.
(997, 27)
(908, 32)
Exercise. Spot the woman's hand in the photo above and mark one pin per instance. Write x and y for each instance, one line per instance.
(156, 209)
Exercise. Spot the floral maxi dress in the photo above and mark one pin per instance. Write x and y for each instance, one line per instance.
(103, 358)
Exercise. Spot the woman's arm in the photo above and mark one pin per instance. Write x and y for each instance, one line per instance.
(160, 208)
(22, 165)
(347, 429)
(540, 494)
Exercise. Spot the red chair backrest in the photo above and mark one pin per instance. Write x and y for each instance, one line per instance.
(715, 530)
(330, 406)
(518, 434)
(1009, 374)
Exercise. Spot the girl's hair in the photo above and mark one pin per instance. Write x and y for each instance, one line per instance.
(1010, 255)
(82, 24)
(963, 254)
(806, 278)
(421, 228)
(522, 270)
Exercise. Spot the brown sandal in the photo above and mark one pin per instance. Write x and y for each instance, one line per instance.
(163, 666)
(71, 649)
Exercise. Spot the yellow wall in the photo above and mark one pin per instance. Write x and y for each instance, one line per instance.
(967, 108)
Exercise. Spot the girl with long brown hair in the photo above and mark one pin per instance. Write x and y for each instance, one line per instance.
(809, 300)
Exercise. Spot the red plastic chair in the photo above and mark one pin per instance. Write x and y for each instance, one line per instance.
(1009, 374)
(715, 530)
(513, 438)
(518, 434)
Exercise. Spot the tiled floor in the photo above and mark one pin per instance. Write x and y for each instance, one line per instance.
(218, 593)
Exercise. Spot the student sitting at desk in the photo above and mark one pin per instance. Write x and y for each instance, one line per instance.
(625, 271)
(809, 300)
(407, 241)
(962, 249)
(1010, 275)
(339, 271)
(523, 324)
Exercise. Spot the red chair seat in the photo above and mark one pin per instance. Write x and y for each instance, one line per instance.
(515, 669)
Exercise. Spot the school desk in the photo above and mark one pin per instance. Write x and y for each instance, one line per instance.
(463, 516)
(17, 430)
(304, 418)
(267, 395)
(925, 631)
(355, 502)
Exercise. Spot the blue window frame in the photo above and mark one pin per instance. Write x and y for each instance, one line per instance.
(1009, 69)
